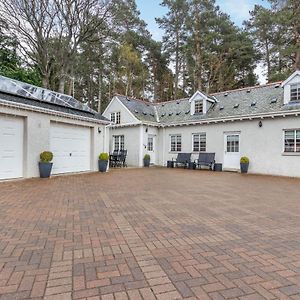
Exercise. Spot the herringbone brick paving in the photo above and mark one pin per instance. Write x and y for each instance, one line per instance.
(150, 234)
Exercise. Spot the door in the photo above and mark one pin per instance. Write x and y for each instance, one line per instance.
(232, 151)
(151, 149)
(11, 147)
(71, 147)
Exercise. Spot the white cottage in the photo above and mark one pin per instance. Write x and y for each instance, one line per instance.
(33, 120)
(261, 122)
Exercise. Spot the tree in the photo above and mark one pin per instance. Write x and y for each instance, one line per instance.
(50, 31)
(174, 40)
(11, 64)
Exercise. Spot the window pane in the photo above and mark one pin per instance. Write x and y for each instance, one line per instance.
(289, 141)
(196, 144)
(298, 141)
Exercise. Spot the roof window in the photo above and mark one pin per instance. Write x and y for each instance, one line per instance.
(253, 103)
(221, 107)
(274, 100)
(236, 105)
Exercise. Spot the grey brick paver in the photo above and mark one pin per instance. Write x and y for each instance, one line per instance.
(150, 234)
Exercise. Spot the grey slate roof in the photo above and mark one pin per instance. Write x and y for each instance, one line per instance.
(241, 102)
(144, 111)
(50, 106)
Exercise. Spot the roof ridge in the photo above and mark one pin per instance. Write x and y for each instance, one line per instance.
(247, 88)
(134, 98)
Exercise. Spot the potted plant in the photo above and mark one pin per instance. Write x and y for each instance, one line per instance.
(45, 164)
(244, 164)
(147, 160)
(103, 162)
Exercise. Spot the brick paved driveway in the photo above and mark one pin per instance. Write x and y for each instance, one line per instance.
(150, 234)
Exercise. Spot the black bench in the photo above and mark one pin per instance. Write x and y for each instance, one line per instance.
(183, 159)
(205, 159)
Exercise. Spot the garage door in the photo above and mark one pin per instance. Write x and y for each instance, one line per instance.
(71, 147)
(11, 147)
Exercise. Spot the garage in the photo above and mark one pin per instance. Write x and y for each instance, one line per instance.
(71, 147)
(11, 147)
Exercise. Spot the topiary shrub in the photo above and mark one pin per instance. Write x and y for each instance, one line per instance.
(146, 156)
(244, 160)
(46, 156)
(104, 156)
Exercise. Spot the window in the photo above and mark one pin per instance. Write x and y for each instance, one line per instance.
(233, 143)
(115, 117)
(295, 92)
(118, 142)
(150, 143)
(199, 142)
(292, 141)
(175, 143)
(198, 107)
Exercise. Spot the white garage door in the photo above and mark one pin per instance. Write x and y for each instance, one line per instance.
(71, 147)
(11, 147)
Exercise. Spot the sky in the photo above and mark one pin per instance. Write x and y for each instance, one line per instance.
(237, 9)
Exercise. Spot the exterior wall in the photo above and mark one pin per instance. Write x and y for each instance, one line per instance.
(37, 136)
(263, 146)
(154, 155)
(117, 106)
(133, 144)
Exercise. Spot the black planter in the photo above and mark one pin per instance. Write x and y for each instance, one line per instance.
(244, 168)
(45, 169)
(147, 162)
(102, 165)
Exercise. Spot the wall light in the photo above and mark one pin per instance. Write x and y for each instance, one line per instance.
(260, 124)
(99, 129)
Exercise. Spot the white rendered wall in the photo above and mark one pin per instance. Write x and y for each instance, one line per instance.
(37, 137)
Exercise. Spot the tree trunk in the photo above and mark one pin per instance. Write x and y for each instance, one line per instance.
(45, 81)
(176, 66)
(268, 59)
(100, 92)
(61, 86)
(198, 59)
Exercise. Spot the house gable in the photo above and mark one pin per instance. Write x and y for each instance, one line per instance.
(200, 100)
(291, 88)
(115, 106)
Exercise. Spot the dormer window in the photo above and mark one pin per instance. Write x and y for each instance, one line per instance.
(295, 92)
(115, 117)
(199, 107)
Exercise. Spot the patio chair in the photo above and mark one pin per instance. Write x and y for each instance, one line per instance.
(122, 158)
(183, 159)
(113, 158)
(205, 159)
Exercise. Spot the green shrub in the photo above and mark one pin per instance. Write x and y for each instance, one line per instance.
(244, 160)
(46, 156)
(146, 156)
(104, 156)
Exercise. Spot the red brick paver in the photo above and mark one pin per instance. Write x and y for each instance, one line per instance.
(150, 234)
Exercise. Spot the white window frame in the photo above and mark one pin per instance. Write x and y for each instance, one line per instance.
(295, 150)
(196, 108)
(150, 145)
(177, 142)
(296, 88)
(118, 142)
(115, 117)
(201, 135)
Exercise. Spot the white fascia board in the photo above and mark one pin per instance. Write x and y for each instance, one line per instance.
(290, 78)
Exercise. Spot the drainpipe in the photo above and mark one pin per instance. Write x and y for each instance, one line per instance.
(141, 146)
